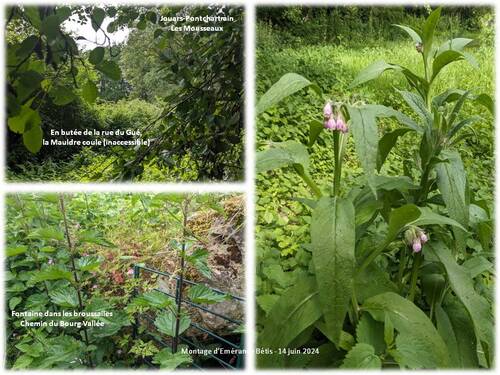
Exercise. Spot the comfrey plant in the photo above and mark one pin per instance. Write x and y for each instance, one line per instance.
(388, 279)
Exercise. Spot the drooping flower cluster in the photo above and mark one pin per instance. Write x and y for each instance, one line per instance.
(415, 238)
(333, 121)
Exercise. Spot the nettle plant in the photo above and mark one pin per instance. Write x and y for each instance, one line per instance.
(54, 267)
(389, 278)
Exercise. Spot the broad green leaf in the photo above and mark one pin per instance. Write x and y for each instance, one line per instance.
(418, 343)
(27, 119)
(110, 69)
(50, 27)
(414, 34)
(14, 301)
(157, 299)
(112, 325)
(64, 297)
(428, 30)
(199, 259)
(166, 323)
(90, 92)
(369, 331)
(333, 238)
(169, 361)
(97, 17)
(47, 233)
(51, 273)
(90, 236)
(371, 282)
(22, 362)
(372, 72)
(477, 265)
(418, 105)
(399, 218)
(26, 47)
(296, 310)
(62, 95)
(429, 217)
(462, 285)
(287, 85)
(89, 263)
(204, 295)
(386, 143)
(62, 350)
(463, 335)
(267, 301)
(486, 101)
(456, 44)
(96, 55)
(315, 129)
(15, 250)
(282, 154)
(443, 59)
(361, 356)
(452, 183)
(33, 15)
(446, 331)
(32, 139)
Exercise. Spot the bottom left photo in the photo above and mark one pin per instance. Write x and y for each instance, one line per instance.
(115, 280)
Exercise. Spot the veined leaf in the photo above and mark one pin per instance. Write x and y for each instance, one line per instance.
(417, 104)
(296, 310)
(282, 154)
(65, 297)
(362, 355)
(32, 138)
(386, 143)
(166, 323)
(418, 343)
(15, 250)
(170, 361)
(477, 306)
(414, 34)
(452, 184)
(47, 233)
(456, 44)
(90, 236)
(315, 129)
(287, 85)
(204, 295)
(96, 55)
(51, 273)
(333, 237)
(428, 30)
(89, 263)
(372, 72)
(369, 331)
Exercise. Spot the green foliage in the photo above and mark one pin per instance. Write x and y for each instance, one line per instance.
(365, 281)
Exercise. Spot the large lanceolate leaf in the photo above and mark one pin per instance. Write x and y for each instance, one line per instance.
(282, 154)
(362, 356)
(372, 72)
(428, 30)
(333, 238)
(414, 34)
(418, 343)
(386, 144)
(287, 85)
(452, 184)
(418, 105)
(296, 310)
(462, 285)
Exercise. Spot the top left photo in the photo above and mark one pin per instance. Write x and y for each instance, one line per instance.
(99, 93)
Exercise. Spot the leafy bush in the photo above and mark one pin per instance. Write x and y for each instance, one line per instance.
(395, 269)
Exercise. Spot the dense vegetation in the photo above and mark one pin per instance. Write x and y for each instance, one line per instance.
(69, 253)
(385, 217)
(181, 90)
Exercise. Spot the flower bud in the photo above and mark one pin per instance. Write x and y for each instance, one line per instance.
(417, 246)
(327, 110)
(423, 237)
(419, 47)
(341, 125)
(330, 124)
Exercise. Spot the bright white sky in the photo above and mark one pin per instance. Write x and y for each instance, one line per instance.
(88, 32)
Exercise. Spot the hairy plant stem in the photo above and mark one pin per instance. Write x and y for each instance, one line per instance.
(402, 266)
(73, 269)
(338, 163)
(185, 211)
(417, 261)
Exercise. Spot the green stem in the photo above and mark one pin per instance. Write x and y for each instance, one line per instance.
(417, 260)
(307, 179)
(338, 163)
(402, 267)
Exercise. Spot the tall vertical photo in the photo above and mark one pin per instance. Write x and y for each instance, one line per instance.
(374, 182)
(100, 93)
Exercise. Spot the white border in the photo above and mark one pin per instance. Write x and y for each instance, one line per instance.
(246, 187)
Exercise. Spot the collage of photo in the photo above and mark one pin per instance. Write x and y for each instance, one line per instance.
(248, 186)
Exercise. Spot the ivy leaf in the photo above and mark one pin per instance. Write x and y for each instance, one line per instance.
(110, 69)
(96, 55)
(333, 237)
(462, 285)
(287, 85)
(64, 297)
(204, 295)
(362, 356)
(166, 322)
(418, 343)
(169, 361)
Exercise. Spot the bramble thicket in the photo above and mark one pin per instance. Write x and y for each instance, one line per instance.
(375, 207)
